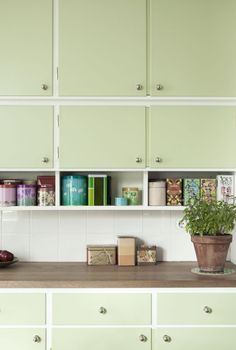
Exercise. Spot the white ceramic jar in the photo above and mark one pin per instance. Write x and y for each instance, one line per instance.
(157, 193)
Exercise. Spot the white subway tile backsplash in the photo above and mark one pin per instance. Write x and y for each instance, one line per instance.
(44, 246)
(100, 222)
(72, 222)
(128, 223)
(16, 222)
(63, 236)
(18, 244)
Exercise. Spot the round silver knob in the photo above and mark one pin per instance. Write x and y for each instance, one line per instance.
(44, 86)
(45, 160)
(167, 338)
(102, 310)
(207, 309)
(158, 160)
(139, 87)
(159, 87)
(139, 160)
(36, 339)
(143, 338)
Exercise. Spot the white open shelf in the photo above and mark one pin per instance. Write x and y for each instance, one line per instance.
(91, 208)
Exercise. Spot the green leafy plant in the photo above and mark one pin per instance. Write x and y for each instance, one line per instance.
(211, 218)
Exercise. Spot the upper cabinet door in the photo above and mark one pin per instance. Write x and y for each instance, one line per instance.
(26, 137)
(193, 47)
(192, 137)
(102, 137)
(26, 47)
(102, 47)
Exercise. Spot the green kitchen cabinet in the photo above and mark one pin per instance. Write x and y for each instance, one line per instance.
(102, 339)
(192, 137)
(192, 48)
(22, 309)
(26, 137)
(196, 308)
(101, 309)
(22, 339)
(208, 338)
(102, 47)
(26, 47)
(94, 137)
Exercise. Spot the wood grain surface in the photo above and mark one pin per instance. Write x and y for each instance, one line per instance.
(79, 275)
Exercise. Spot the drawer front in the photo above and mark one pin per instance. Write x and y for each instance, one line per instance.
(102, 339)
(193, 338)
(196, 309)
(22, 309)
(115, 309)
(22, 339)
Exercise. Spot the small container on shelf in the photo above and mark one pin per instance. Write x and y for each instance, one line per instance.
(191, 189)
(101, 255)
(121, 201)
(146, 255)
(74, 190)
(132, 195)
(7, 194)
(157, 193)
(99, 189)
(26, 193)
(174, 193)
(225, 188)
(126, 250)
(46, 191)
(208, 189)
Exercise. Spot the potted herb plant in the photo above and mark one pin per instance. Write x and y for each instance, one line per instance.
(210, 224)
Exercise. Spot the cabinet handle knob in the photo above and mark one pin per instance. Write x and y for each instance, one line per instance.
(44, 87)
(139, 160)
(139, 87)
(158, 160)
(207, 309)
(167, 338)
(143, 338)
(102, 310)
(36, 339)
(45, 160)
(159, 87)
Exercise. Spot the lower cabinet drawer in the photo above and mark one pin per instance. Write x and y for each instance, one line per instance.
(22, 339)
(196, 308)
(194, 338)
(101, 309)
(102, 339)
(22, 308)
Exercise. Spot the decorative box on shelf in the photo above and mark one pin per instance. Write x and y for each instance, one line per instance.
(101, 255)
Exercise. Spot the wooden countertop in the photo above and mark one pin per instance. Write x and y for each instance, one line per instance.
(79, 275)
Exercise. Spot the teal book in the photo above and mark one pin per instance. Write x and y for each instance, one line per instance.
(191, 190)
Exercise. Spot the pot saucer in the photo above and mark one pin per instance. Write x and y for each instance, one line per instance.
(227, 271)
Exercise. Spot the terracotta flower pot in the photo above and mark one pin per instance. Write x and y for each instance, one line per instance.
(211, 252)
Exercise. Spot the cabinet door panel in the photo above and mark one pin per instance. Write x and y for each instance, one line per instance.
(26, 47)
(193, 47)
(102, 47)
(102, 137)
(192, 137)
(22, 339)
(188, 308)
(101, 339)
(194, 338)
(22, 309)
(26, 137)
(121, 309)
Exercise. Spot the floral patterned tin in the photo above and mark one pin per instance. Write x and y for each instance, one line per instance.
(132, 195)
(26, 195)
(7, 195)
